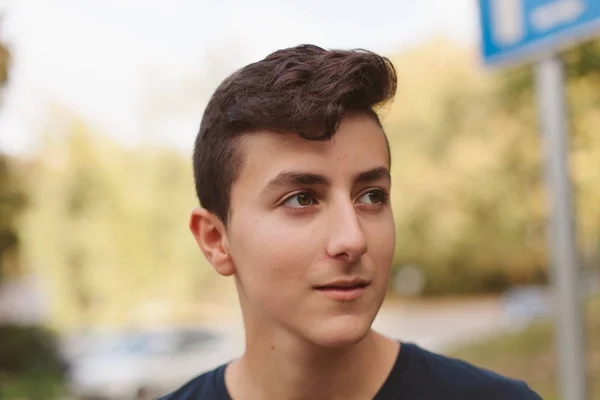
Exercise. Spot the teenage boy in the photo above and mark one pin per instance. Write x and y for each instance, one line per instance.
(292, 169)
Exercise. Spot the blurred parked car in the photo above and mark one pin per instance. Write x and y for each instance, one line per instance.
(524, 304)
(142, 365)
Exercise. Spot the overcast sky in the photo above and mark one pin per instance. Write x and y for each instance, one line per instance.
(95, 56)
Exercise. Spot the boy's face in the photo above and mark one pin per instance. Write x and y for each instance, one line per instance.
(311, 234)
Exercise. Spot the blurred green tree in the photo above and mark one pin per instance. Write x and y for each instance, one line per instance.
(4, 61)
(123, 254)
(12, 203)
(12, 198)
(30, 364)
(582, 69)
(469, 194)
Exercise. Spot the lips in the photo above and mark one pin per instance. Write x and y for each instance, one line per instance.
(344, 290)
(343, 286)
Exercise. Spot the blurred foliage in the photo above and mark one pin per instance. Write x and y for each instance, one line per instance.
(12, 197)
(30, 365)
(468, 186)
(530, 355)
(4, 62)
(12, 204)
(469, 194)
(581, 63)
(106, 229)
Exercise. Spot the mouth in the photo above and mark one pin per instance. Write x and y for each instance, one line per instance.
(343, 290)
(340, 286)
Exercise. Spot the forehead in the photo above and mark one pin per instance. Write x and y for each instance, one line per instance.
(359, 144)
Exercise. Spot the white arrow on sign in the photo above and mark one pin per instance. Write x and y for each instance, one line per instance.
(555, 14)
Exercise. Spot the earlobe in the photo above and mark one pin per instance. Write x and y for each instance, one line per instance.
(209, 232)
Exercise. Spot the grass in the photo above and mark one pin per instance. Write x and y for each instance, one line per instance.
(32, 387)
(530, 355)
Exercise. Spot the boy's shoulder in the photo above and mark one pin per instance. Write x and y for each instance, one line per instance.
(430, 375)
(209, 385)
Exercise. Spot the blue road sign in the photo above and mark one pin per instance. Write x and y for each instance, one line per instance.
(521, 30)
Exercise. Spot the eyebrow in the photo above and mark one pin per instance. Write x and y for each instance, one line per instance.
(372, 175)
(291, 178)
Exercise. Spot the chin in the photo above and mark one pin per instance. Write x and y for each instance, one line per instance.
(340, 332)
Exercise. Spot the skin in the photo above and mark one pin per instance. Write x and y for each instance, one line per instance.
(305, 214)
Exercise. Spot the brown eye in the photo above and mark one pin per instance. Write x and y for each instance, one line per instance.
(373, 197)
(304, 199)
(300, 200)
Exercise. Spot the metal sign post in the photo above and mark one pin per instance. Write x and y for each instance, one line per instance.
(519, 31)
(564, 272)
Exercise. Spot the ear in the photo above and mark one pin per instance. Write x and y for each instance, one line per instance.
(210, 235)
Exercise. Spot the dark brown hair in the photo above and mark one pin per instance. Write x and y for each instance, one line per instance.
(304, 90)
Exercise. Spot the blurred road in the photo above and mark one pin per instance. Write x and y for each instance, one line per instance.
(442, 325)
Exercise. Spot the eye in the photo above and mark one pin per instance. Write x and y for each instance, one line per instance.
(376, 196)
(300, 200)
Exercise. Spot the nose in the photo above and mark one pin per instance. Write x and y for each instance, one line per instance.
(347, 240)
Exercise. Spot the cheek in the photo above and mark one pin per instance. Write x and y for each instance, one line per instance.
(271, 255)
(382, 244)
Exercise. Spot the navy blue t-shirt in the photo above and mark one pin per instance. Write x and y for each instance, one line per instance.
(417, 375)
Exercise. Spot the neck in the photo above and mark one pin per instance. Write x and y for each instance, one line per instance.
(283, 366)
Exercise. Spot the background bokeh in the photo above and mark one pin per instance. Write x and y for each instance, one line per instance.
(101, 101)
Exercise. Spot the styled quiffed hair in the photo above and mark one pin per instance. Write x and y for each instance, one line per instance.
(303, 90)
